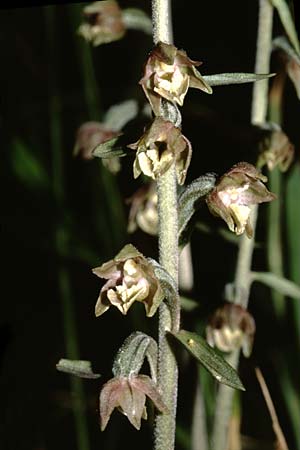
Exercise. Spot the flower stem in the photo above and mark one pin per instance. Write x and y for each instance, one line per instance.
(165, 424)
(242, 281)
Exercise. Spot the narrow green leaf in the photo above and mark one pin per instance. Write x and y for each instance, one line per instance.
(188, 304)
(221, 79)
(287, 22)
(136, 19)
(130, 356)
(188, 201)
(27, 167)
(282, 285)
(79, 367)
(109, 149)
(209, 358)
(117, 116)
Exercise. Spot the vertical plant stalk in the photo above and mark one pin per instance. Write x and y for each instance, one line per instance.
(165, 424)
(63, 277)
(275, 256)
(242, 281)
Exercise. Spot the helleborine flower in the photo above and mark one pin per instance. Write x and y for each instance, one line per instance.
(169, 73)
(276, 150)
(160, 145)
(91, 134)
(128, 394)
(143, 212)
(231, 327)
(104, 22)
(235, 192)
(130, 279)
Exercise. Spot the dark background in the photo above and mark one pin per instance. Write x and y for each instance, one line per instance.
(40, 63)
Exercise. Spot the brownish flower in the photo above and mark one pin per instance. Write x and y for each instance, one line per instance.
(91, 134)
(104, 22)
(128, 394)
(235, 192)
(169, 73)
(160, 145)
(231, 327)
(130, 279)
(143, 212)
(276, 150)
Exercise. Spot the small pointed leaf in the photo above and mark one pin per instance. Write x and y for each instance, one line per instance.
(130, 357)
(287, 22)
(282, 285)
(209, 358)
(117, 116)
(136, 19)
(109, 149)
(81, 368)
(221, 79)
(188, 201)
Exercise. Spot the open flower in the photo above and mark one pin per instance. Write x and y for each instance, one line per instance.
(128, 394)
(130, 279)
(104, 22)
(235, 192)
(143, 212)
(231, 327)
(158, 148)
(169, 73)
(276, 150)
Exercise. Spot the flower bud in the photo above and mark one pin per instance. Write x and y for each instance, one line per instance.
(235, 192)
(130, 278)
(104, 22)
(276, 150)
(143, 212)
(128, 394)
(168, 74)
(158, 148)
(231, 327)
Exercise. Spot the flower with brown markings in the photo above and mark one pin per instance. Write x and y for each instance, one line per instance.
(231, 327)
(130, 279)
(235, 192)
(168, 74)
(158, 148)
(128, 394)
(104, 22)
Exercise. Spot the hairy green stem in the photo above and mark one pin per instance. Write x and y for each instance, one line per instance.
(242, 281)
(63, 277)
(165, 424)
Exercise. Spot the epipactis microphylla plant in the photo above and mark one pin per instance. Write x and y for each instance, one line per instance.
(103, 23)
(161, 145)
(168, 74)
(235, 192)
(230, 328)
(130, 279)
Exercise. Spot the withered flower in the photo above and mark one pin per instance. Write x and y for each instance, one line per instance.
(276, 150)
(231, 327)
(128, 394)
(235, 192)
(169, 73)
(104, 22)
(91, 134)
(130, 279)
(160, 145)
(143, 212)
